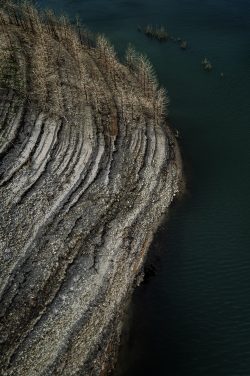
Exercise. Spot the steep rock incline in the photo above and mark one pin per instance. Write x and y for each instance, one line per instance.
(88, 167)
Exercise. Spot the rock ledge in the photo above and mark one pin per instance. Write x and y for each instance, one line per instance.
(88, 167)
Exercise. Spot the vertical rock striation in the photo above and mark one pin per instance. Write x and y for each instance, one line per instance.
(88, 167)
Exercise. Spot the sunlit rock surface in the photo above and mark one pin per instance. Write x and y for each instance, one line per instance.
(88, 167)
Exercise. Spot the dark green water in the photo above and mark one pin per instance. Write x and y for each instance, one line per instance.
(193, 317)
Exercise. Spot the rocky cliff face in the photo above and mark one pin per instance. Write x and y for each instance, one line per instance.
(88, 167)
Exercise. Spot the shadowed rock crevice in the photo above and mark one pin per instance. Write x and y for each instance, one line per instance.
(88, 168)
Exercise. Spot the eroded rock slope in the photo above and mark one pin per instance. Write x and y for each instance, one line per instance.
(88, 167)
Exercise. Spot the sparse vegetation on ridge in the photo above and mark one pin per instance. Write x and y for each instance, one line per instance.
(46, 41)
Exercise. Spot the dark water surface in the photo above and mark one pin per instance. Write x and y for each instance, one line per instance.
(193, 317)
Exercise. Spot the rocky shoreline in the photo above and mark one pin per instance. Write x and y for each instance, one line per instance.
(88, 168)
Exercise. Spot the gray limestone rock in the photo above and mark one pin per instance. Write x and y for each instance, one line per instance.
(88, 168)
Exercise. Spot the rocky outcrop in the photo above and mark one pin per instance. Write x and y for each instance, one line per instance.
(88, 167)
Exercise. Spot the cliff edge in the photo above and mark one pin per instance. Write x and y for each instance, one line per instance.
(88, 166)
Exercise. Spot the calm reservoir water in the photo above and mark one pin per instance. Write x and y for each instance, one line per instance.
(193, 317)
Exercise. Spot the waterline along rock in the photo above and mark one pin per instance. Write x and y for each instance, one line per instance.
(88, 167)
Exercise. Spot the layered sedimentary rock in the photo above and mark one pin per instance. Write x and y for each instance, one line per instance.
(88, 167)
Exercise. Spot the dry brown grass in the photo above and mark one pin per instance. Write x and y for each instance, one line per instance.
(47, 59)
